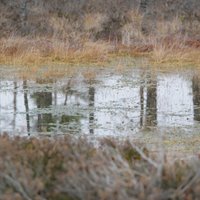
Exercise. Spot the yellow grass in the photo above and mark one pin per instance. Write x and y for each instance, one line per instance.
(37, 52)
(22, 51)
(162, 55)
(174, 53)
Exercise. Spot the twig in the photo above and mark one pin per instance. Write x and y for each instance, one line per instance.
(149, 160)
(183, 187)
(16, 185)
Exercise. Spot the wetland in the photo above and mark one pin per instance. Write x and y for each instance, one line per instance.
(126, 100)
(99, 99)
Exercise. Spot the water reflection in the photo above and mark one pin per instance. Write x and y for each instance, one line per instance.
(142, 101)
(26, 104)
(108, 104)
(91, 96)
(151, 104)
(44, 100)
(196, 96)
(14, 103)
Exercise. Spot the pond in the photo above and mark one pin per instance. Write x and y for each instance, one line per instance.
(100, 101)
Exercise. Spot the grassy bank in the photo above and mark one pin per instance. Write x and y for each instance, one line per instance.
(46, 32)
(67, 168)
(24, 51)
(39, 51)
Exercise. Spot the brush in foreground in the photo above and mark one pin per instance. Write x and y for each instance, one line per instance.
(69, 168)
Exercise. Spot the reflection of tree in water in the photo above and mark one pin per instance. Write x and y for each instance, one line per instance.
(26, 104)
(142, 101)
(14, 104)
(151, 101)
(196, 96)
(59, 121)
(44, 100)
(71, 122)
(67, 117)
(91, 94)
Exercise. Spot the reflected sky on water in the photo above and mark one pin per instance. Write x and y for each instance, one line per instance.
(105, 103)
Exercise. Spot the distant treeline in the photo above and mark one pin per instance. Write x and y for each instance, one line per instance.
(97, 19)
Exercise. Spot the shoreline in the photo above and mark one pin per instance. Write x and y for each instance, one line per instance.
(39, 51)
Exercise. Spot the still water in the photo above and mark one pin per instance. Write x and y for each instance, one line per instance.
(100, 101)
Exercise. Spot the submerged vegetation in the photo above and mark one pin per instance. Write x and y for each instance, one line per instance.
(67, 168)
(35, 32)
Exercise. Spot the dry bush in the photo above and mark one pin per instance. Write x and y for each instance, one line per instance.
(72, 168)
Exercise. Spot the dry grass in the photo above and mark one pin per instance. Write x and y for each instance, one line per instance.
(175, 53)
(69, 168)
(39, 51)
(165, 44)
(94, 21)
(131, 31)
(23, 51)
(166, 28)
(67, 32)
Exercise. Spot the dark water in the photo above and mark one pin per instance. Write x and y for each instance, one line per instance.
(100, 101)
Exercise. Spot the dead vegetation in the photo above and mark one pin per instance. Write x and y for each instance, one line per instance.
(38, 32)
(67, 168)
(17, 50)
(36, 52)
